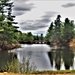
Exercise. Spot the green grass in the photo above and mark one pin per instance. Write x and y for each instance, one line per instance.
(51, 72)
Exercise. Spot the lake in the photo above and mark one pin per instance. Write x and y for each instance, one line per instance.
(42, 56)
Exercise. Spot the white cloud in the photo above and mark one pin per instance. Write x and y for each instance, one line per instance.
(21, 7)
(37, 16)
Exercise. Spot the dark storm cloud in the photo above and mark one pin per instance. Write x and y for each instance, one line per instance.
(37, 24)
(21, 7)
(46, 18)
(31, 25)
(25, 7)
(68, 5)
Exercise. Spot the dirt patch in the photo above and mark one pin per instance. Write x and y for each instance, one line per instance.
(54, 73)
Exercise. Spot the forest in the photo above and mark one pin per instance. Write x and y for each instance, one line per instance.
(59, 32)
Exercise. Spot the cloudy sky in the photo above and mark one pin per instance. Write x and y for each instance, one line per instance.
(36, 15)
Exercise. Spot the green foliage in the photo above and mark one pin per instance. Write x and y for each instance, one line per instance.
(7, 30)
(16, 67)
(49, 36)
(26, 37)
(29, 37)
(26, 67)
(68, 30)
(11, 66)
(2, 17)
(61, 31)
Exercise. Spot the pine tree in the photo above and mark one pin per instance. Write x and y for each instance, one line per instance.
(7, 30)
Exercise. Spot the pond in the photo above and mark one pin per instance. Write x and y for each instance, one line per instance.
(43, 57)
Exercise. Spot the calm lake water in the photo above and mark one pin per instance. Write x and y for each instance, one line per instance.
(42, 56)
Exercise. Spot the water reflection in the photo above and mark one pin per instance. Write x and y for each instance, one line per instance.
(68, 57)
(5, 57)
(43, 57)
(58, 59)
(37, 53)
(61, 55)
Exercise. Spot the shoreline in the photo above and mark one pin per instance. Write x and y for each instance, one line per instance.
(10, 47)
(58, 72)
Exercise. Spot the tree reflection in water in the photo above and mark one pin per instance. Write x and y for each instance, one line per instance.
(68, 57)
(65, 53)
(58, 59)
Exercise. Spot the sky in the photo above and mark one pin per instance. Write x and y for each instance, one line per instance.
(36, 15)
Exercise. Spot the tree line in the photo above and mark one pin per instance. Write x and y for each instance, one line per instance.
(61, 32)
(10, 36)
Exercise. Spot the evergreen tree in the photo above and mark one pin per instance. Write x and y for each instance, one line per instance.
(61, 32)
(68, 30)
(50, 32)
(7, 30)
(57, 28)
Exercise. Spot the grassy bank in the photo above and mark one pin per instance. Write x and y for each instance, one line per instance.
(61, 72)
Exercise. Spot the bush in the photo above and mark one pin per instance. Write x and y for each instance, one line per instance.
(17, 67)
